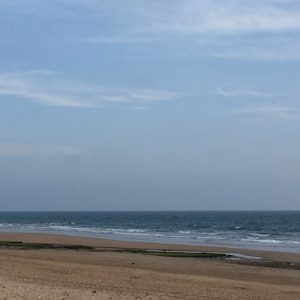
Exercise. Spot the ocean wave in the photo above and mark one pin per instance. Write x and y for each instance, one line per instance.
(194, 236)
(271, 241)
(238, 227)
(209, 238)
(185, 231)
(259, 234)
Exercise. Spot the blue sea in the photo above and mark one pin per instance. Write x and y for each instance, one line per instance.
(265, 230)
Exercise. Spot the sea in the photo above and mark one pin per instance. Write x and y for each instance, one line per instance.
(263, 230)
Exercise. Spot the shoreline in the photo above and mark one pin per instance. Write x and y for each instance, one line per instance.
(103, 270)
(255, 230)
(276, 256)
(119, 238)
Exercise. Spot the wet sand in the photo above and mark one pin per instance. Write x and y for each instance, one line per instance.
(71, 274)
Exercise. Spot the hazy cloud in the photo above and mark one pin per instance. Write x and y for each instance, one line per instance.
(48, 88)
(113, 39)
(223, 29)
(206, 16)
(259, 29)
(224, 17)
(24, 150)
(288, 113)
(238, 93)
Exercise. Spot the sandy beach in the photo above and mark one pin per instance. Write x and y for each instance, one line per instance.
(81, 274)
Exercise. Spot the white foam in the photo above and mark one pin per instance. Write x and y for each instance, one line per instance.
(243, 256)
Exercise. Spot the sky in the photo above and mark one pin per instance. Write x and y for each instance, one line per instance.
(149, 105)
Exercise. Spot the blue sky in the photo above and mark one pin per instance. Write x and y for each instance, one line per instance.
(137, 105)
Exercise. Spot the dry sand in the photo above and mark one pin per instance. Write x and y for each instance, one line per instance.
(66, 274)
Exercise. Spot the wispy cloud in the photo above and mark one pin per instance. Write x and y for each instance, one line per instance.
(223, 29)
(288, 113)
(114, 39)
(239, 93)
(234, 17)
(48, 88)
(26, 150)
(206, 16)
(265, 47)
